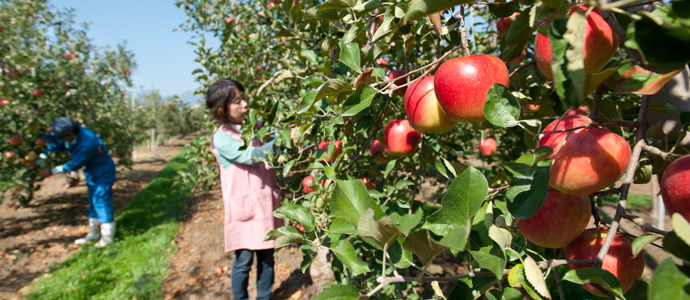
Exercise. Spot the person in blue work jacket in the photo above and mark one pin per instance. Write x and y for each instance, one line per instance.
(86, 150)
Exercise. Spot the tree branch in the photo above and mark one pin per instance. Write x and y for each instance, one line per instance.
(614, 122)
(646, 227)
(659, 152)
(596, 107)
(261, 88)
(629, 176)
(520, 69)
(558, 283)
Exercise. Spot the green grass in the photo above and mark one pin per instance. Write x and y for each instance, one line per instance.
(135, 264)
(634, 200)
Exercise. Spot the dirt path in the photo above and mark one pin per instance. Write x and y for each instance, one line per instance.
(35, 237)
(201, 268)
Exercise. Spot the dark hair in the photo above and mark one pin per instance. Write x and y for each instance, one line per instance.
(219, 96)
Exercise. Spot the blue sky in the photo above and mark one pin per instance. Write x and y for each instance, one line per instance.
(165, 60)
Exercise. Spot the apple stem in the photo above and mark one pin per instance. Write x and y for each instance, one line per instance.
(629, 176)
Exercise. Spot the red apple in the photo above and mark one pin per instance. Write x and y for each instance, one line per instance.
(40, 142)
(2, 29)
(400, 138)
(14, 74)
(306, 183)
(39, 92)
(383, 63)
(580, 111)
(503, 24)
(69, 55)
(400, 82)
(675, 187)
(338, 149)
(518, 59)
(461, 85)
(531, 107)
(271, 4)
(559, 221)
(14, 141)
(422, 108)
(127, 73)
(9, 154)
(4, 102)
(370, 184)
(487, 146)
(378, 147)
(619, 260)
(591, 159)
(599, 47)
(228, 20)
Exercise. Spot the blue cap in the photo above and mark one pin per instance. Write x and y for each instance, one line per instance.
(61, 128)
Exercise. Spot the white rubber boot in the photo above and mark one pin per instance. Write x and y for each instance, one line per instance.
(107, 234)
(94, 232)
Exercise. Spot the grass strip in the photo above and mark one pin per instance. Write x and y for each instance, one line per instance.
(135, 264)
(634, 200)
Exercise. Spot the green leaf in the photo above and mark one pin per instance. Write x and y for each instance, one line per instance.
(526, 195)
(400, 257)
(502, 108)
(401, 184)
(565, 88)
(655, 39)
(309, 55)
(675, 245)
(389, 167)
(525, 165)
(307, 101)
(300, 214)
(422, 245)
(350, 56)
(409, 222)
(520, 30)
(668, 283)
(346, 254)
(501, 236)
(575, 35)
(592, 81)
(456, 238)
(535, 277)
(332, 87)
(463, 199)
(492, 258)
(342, 226)
(285, 230)
(681, 227)
(598, 276)
(516, 278)
(387, 26)
(359, 100)
(383, 231)
(421, 8)
(329, 14)
(505, 9)
(288, 167)
(642, 241)
(350, 200)
(368, 6)
(338, 292)
(337, 4)
(466, 288)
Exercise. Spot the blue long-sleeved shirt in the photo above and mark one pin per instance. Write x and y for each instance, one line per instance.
(99, 168)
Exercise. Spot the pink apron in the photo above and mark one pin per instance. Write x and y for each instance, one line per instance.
(250, 195)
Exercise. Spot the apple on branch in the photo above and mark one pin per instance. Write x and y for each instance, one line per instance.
(591, 159)
(503, 24)
(559, 221)
(675, 187)
(422, 108)
(488, 146)
(400, 82)
(307, 182)
(619, 260)
(378, 147)
(400, 138)
(338, 149)
(600, 44)
(461, 85)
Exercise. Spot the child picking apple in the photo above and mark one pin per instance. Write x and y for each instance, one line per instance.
(250, 189)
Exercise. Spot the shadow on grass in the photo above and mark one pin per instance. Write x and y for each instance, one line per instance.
(135, 264)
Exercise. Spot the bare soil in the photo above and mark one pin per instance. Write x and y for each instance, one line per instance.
(33, 238)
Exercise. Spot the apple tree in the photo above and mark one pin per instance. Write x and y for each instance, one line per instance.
(338, 80)
(50, 69)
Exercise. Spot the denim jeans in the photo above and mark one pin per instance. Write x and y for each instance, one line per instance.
(264, 273)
